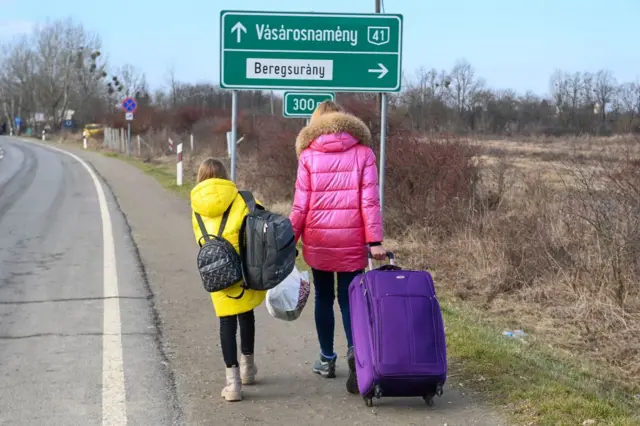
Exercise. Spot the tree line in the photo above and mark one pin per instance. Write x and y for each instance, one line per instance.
(59, 71)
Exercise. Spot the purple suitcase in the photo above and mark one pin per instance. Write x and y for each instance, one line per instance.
(398, 334)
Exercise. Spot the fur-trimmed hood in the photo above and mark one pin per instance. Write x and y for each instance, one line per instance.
(333, 123)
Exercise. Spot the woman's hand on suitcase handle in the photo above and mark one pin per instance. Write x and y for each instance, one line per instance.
(378, 252)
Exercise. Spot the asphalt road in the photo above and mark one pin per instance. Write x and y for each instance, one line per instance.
(68, 354)
(53, 348)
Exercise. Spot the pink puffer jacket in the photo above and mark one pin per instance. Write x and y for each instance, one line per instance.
(336, 208)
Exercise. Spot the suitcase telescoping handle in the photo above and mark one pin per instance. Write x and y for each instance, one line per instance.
(390, 255)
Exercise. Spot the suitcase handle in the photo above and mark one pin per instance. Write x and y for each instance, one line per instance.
(390, 255)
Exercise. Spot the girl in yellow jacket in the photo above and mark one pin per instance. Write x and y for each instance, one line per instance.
(211, 197)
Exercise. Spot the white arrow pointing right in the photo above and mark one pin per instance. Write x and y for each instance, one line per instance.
(238, 28)
(382, 70)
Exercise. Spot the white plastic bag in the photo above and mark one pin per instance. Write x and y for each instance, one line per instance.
(287, 300)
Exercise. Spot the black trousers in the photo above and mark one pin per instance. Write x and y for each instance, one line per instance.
(228, 331)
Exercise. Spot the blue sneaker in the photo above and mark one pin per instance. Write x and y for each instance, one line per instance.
(326, 367)
(352, 381)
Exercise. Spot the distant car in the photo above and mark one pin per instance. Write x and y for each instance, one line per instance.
(93, 129)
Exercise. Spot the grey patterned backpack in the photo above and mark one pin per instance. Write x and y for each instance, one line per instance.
(218, 262)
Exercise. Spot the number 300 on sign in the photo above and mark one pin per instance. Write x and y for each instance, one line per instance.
(304, 105)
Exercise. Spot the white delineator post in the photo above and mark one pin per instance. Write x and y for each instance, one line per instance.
(191, 141)
(43, 135)
(170, 145)
(179, 166)
(84, 139)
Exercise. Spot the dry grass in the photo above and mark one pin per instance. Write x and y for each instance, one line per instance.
(560, 251)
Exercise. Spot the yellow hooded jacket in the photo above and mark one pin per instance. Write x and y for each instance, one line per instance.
(211, 198)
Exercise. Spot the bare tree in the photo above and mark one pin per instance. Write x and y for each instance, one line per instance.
(604, 88)
(559, 87)
(463, 85)
(575, 84)
(129, 82)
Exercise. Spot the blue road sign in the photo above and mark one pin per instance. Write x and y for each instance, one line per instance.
(18, 121)
(129, 104)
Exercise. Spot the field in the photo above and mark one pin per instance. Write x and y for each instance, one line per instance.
(536, 234)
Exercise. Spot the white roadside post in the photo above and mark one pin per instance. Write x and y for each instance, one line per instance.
(139, 152)
(84, 139)
(170, 145)
(191, 141)
(43, 135)
(179, 165)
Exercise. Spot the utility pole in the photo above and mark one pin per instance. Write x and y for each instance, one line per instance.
(378, 2)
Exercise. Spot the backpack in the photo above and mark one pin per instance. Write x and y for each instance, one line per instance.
(218, 262)
(267, 246)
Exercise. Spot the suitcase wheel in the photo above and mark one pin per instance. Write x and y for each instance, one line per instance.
(376, 393)
(429, 399)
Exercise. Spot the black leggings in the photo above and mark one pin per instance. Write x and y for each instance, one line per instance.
(228, 330)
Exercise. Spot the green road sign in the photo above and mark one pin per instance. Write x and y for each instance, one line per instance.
(298, 104)
(310, 51)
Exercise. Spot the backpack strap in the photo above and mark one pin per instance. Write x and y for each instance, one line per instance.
(241, 294)
(249, 200)
(203, 229)
(223, 222)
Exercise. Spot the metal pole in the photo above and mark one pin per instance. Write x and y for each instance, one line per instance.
(234, 132)
(129, 138)
(383, 149)
(139, 153)
(379, 94)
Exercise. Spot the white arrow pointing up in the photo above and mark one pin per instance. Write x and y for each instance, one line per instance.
(238, 28)
(382, 70)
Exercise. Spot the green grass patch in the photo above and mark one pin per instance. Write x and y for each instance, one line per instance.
(165, 174)
(529, 381)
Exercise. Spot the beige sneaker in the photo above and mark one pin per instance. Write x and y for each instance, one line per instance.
(248, 369)
(233, 390)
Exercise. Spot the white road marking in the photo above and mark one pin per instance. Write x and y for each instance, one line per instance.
(114, 408)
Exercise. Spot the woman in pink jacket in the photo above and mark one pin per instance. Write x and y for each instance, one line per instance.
(336, 211)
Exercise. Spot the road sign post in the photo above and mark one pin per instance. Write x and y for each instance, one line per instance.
(311, 51)
(302, 104)
(130, 105)
(234, 133)
(383, 150)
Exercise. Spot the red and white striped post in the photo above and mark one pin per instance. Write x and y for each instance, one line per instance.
(179, 165)
(170, 145)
